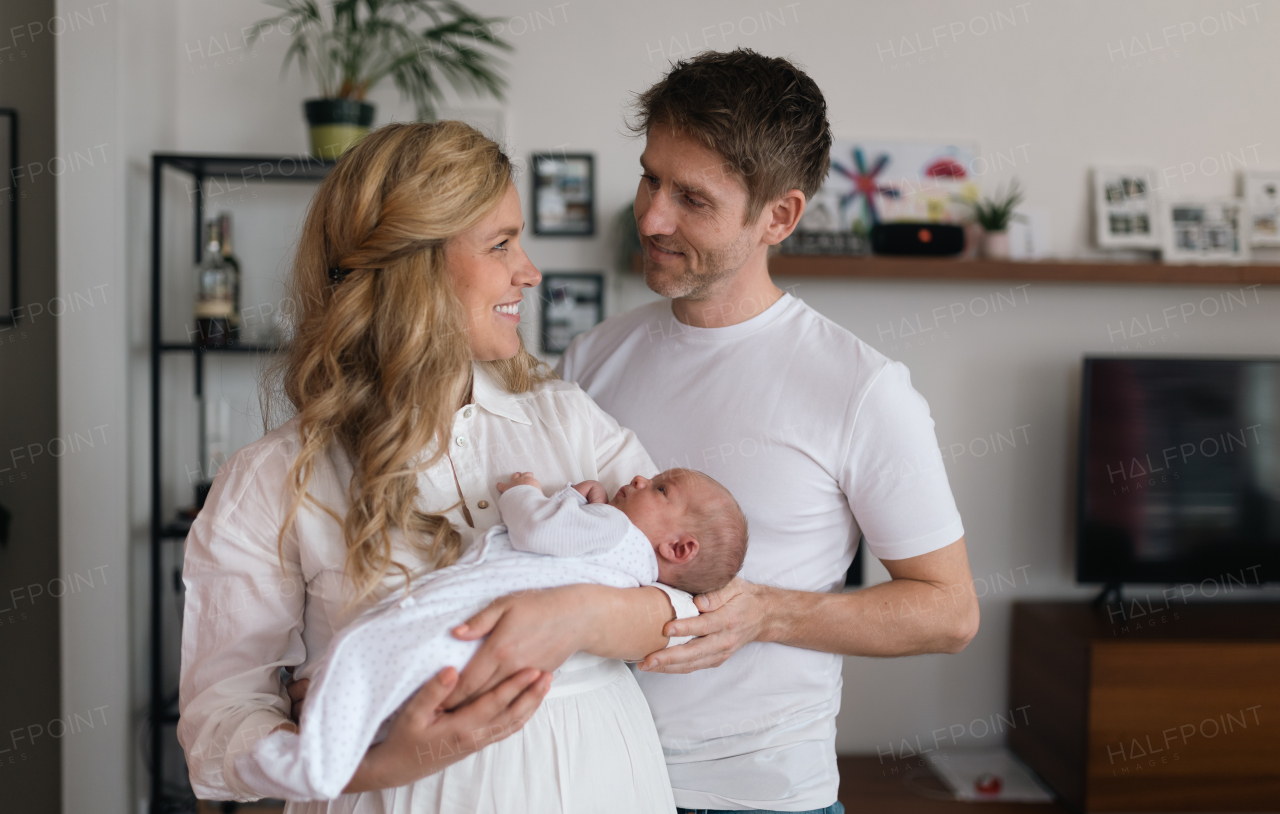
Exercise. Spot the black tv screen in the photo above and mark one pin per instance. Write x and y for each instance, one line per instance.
(1179, 472)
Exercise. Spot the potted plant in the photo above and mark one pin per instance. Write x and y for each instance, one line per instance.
(349, 46)
(993, 215)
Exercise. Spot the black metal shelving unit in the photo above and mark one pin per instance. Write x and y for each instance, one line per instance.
(208, 172)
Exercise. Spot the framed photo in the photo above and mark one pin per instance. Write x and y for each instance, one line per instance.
(564, 194)
(572, 303)
(1260, 190)
(1126, 213)
(1198, 230)
(9, 197)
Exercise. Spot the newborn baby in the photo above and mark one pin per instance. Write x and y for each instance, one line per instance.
(682, 529)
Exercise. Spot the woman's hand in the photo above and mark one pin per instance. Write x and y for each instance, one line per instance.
(538, 629)
(424, 738)
(543, 628)
(730, 618)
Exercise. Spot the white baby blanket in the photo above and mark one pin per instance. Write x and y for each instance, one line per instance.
(377, 663)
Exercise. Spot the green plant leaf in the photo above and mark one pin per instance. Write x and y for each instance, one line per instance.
(994, 213)
(360, 43)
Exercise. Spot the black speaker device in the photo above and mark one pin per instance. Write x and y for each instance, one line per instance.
(904, 238)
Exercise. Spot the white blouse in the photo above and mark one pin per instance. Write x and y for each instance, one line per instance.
(244, 618)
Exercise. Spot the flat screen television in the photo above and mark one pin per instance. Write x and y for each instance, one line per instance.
(1179, 471)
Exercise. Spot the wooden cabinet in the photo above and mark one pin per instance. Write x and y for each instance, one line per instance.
(1162, 707)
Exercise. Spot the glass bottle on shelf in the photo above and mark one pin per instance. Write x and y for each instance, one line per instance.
(228, 254)
(215, 295)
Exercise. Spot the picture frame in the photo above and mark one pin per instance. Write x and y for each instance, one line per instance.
(1260, 190)
(1205, 231)
(572, 304)
(1127, 213)
(10, 196)
(564, 194)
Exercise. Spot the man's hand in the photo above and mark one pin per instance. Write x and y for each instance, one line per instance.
(731, 617)
(593, 491)
(520, 479)
(929, 606)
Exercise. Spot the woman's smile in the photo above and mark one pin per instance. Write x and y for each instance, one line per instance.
(508, 311)
(487, 261)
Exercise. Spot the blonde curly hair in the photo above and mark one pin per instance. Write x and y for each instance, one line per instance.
(380, 361)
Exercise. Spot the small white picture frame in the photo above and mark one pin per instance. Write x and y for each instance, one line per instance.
(1125, 208)
(1260, 189)
(1205, 231)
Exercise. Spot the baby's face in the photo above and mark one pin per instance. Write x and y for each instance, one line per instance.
(657, 507)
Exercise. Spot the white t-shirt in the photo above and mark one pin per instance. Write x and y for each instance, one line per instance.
(821, 439)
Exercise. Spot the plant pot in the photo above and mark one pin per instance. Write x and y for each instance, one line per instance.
(995, 245)
(336, 125)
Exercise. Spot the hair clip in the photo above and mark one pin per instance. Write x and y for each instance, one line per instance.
(337, 275)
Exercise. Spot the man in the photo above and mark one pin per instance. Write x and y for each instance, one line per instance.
(819, 437)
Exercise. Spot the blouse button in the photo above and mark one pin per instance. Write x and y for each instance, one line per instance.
(466, 413)
(462, 441)
(484, 504)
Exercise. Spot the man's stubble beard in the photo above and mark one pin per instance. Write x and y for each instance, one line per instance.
(717, 266)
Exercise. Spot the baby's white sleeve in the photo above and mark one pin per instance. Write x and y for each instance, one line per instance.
(682, 604)
(563, 525)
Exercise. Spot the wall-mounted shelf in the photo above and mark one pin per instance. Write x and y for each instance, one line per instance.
(1048, 271)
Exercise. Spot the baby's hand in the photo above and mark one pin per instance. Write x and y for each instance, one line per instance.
(520, 479)
(593, 491)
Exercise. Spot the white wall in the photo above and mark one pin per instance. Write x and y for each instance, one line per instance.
(1062, 83)
(115, 90)
(91, 371)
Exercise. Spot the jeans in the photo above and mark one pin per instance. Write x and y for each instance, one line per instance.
(834, 808)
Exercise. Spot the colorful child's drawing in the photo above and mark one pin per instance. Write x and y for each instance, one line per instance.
(881, 182)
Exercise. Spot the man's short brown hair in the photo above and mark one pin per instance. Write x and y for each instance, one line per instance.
(764, 116)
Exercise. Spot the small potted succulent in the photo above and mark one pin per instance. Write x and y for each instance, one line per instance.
(350, 46)
(993, 215)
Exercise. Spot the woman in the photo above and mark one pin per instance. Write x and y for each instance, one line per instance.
(414, 395)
